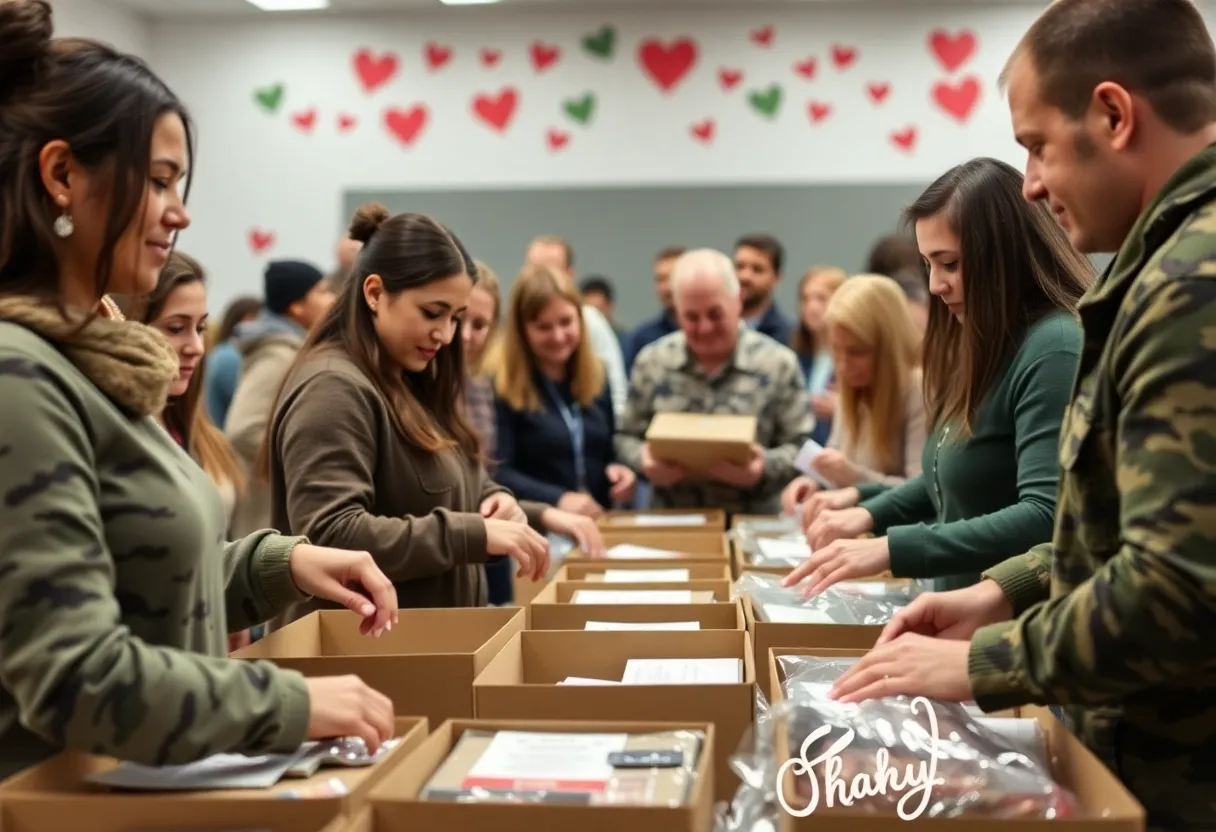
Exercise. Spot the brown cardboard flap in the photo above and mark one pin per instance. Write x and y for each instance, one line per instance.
(704, 592)
(651, 520)
(701, 545)
(555, 616)
(55, 795)
(398, 809)
(593, 570)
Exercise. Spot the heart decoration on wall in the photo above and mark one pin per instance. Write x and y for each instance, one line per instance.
(904, 139)
(260, 241)
(667, 65)
(818, 111)
(437, 56)
(952, 51)
(304, 120)
(374, 72)
(806, 69)
(346, 122)
(490, 58)
(544, 56)
(766, 102)
(878, 92)
(601, 44)
(406, 125)
(958, 100)
(703, 131)
(763, 37)
(844, 56)
(581, 109)
(729, 78)
(497, 110)
(270, 98)
(557, 139)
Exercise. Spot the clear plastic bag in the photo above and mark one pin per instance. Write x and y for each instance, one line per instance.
(747, 535)
(654, 770)
(848, 602)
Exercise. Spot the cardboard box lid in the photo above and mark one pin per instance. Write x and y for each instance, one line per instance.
(702, 427)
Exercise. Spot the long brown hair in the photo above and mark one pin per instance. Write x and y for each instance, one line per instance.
(183, 414)
(531, 292)
(1018, 266)
(804, 341)
(406, 251)
(872, 307)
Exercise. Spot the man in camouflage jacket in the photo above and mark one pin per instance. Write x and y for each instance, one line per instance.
(1113, 621)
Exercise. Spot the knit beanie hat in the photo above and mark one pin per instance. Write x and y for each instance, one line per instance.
(288, 281)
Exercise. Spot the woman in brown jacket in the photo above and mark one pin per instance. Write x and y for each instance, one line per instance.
(367, 444)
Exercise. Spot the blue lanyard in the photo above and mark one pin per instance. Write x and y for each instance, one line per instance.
(574, 426)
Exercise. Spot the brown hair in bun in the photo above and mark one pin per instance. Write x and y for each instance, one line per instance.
(367, 221)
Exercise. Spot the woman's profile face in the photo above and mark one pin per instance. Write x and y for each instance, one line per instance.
(183, 322)
(940, 248)
(413, 325)
(478, 324)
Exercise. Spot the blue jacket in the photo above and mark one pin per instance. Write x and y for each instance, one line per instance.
(219, 384)
(646, 334)
(823, 427)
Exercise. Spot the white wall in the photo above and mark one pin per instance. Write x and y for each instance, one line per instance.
(257, 171)
(94, 19)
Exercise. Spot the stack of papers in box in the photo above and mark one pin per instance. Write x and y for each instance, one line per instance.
(628, 551)
(645, 576)
(784, 614)
(672, 672)
(642, 625)
(632, 596)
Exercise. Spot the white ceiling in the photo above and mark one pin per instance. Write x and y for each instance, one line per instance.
(161, 9)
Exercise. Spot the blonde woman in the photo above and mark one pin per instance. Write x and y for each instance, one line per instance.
(478, 333)
(810, 343)
(878, 431)
(555, 421)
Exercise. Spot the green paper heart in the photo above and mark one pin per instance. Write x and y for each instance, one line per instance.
(581, 109)
(766, 102)
(602, 43)
(270, 98)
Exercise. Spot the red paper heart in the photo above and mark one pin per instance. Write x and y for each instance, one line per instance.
(806, 68)
(704, 131)
(557, 139)
(952, 50)
(667, 65)
(729, 78)
(544, 56)
(305, 120)
(959, 99)
(260, 240)
(818, 111)
(763, 37)
(878, 92)
(843, 56)
(490, 57)
(406, 125)
(346, 122)
(374, 72)
(437, 55)
(497, 111)
(904, 139)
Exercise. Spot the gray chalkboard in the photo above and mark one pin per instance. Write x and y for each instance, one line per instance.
(617, 231)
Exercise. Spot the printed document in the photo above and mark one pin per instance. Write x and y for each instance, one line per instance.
(645, 576)
(632, 596)
(683, 672)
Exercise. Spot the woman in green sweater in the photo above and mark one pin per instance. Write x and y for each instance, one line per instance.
(1001, 351)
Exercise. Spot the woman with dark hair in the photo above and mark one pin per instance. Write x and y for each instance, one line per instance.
(368, 445)
(118, 590)
(224, 360)
(1000, 353)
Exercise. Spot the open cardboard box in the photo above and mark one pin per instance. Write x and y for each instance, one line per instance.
(446, 647)
(521, 683)
(653, 520)
(703, 591)
(1104, 804)
(698, 441)
(396, 807)
(715, 616)
(683, 547)
(593, 570)
(55, 795)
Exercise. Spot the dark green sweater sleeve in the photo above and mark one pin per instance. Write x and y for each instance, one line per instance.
(898, 505)
(1040, 392)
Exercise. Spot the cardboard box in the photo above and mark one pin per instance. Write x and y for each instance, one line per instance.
(396, 807)
(653, 520)
(766, 635)
(716, 616)
(445, 647)
(521, 683)
(704, 592)
(709, 547)
(55, 795)
(593, 570)
(698, 441)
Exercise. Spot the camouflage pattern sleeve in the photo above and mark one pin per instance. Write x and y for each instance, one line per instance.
(793, 425)
(79, 677)
(1144, 615)
(260, 585)
(1025, 579)
(639, 409)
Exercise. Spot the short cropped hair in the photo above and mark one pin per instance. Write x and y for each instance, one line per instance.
(705, 261)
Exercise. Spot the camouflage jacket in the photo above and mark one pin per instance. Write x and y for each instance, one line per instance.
(1116, 615)
(762, 379)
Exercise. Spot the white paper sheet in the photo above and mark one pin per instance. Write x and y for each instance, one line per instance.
(583, 680)
(515, 756)
(665, 520)
(644, 576)
(683, 672)
(627, 551)
(805, 459)
(632, 596)
(776, 548)
(785, 614)
(642, 625)
(219, 771)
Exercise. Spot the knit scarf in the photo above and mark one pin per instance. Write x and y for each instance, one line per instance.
(129, 362)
